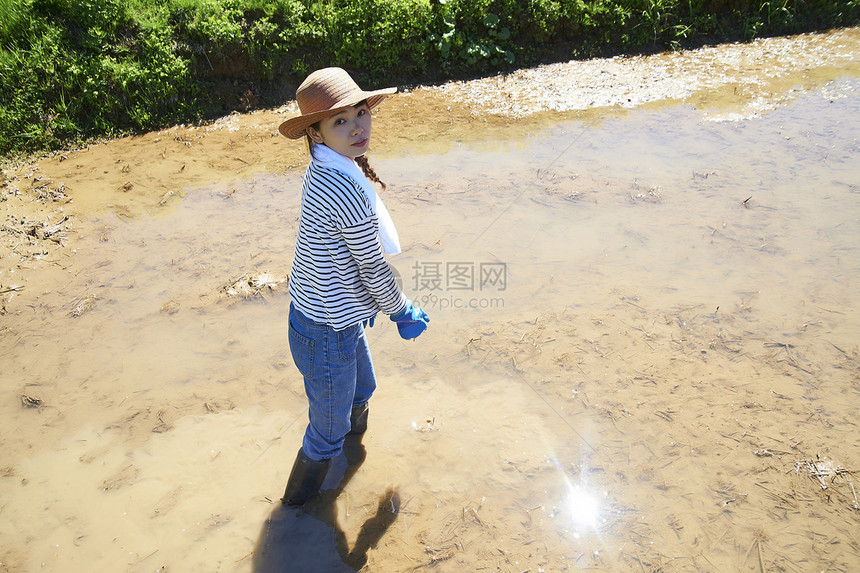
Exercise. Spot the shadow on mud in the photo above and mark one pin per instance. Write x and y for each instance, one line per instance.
(309, 539)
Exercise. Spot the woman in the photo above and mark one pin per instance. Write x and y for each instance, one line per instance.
(340, 279)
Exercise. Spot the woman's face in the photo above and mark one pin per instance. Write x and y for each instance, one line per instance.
(347, 132)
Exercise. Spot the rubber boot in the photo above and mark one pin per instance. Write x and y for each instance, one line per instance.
(305, 479)
(358, 419)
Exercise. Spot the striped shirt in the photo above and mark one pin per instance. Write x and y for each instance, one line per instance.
(339, 275)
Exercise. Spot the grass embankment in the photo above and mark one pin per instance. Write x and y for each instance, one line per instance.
(72, 70)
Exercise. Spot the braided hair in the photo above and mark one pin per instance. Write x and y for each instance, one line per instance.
(368, 171)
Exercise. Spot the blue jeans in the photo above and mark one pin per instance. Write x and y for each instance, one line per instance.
(338, 373)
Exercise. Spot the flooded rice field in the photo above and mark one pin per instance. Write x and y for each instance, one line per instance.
(642, 356)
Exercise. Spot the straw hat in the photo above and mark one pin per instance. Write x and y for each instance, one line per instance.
(325, 92)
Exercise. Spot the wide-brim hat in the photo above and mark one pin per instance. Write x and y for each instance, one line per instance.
(325, 92)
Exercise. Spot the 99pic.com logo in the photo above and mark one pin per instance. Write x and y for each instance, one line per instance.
(462, 285)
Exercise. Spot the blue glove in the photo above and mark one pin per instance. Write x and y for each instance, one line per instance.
(411, 321)
(369, 322)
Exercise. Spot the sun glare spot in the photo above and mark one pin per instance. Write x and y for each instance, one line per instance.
(583, 507)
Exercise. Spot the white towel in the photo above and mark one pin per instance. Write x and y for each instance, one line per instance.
(327, 157)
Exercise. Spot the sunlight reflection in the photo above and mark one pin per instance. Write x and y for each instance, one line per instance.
(581, 508)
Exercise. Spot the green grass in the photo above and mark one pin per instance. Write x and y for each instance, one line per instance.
(74, 70)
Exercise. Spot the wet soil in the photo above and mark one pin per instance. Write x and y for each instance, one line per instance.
(642, 276)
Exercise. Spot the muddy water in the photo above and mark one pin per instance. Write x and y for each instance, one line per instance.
(642, 356)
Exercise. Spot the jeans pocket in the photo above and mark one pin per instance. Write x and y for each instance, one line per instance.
(302, 349)
(347, 341)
